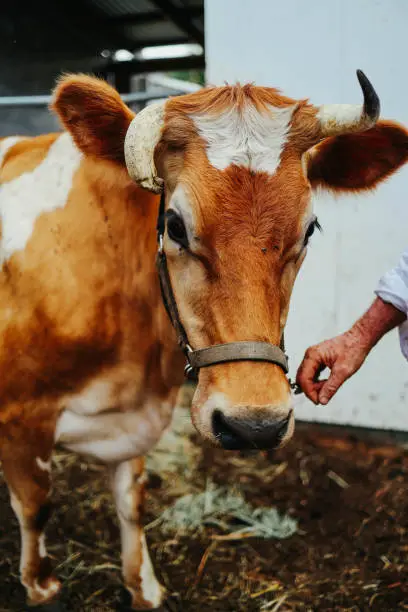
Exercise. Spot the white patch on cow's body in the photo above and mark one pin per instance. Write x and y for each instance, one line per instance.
(110, 419)
(123, 490)
(129, 494)
(151, 589)
(41, 595)
(32, 544)
(41, 546)
(18, 511)
(6, 144)
(113, 437)
(46, 593)
(42, 190)
(43, 465)
(250, 138)
(94, 399)
(334, 118)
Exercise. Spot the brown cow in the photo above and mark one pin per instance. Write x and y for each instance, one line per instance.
(89, 358)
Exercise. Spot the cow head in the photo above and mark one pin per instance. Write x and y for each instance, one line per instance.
(239, 164)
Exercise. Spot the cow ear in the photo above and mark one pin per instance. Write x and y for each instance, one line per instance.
(354, 162)
(93, 112)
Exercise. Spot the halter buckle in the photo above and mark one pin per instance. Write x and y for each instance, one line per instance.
(190, 373)
(297, 389)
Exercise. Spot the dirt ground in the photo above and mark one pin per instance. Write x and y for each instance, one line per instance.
(350, 552)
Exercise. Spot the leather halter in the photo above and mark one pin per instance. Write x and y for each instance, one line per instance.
(218, 353)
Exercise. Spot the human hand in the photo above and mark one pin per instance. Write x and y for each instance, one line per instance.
(343, 355)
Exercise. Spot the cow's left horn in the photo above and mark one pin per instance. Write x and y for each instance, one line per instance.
(338, 119)
(141, 139)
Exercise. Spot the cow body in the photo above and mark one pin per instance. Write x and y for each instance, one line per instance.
(88, 356)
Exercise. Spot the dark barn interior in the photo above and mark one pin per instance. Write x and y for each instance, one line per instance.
(40, 40)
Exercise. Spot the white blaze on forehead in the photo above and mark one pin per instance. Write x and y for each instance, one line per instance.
(42, 190)
(251, 138)
(6, 144)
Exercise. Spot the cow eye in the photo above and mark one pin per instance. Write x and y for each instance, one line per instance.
(310, 230)
(176, 228)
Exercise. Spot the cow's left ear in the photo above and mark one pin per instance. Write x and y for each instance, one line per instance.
(95, 115)
(354, 162)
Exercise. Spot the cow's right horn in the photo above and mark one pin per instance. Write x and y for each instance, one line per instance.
(141, 139)
(338, 119)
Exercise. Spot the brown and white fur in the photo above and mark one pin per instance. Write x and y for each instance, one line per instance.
(88, 357)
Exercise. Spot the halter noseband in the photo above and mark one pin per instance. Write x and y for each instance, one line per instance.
(211, 355)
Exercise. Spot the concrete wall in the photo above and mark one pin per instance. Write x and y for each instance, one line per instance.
(312, 49)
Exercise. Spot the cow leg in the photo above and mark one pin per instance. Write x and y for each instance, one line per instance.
(128, 486)
(28, 478)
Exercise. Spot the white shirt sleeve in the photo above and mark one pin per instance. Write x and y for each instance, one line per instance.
(393, 288)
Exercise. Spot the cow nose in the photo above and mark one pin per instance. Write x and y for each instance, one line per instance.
(240, 434)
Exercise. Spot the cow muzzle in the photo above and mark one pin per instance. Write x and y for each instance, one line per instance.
(251, 433)
(243, 427)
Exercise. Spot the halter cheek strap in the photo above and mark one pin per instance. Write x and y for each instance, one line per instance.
(211, 355)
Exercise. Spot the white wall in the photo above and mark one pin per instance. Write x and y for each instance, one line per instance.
(312, 49)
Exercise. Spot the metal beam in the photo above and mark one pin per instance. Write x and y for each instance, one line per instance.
(158, 42)
(192, 62)
(40, 101)
(181, 19)
(194, 12)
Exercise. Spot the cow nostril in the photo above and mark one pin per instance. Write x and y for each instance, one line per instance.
(240, 434)
(224, 432)
(282, 427)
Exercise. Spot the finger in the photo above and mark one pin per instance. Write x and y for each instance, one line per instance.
(337, 377)
(308, 388)
(319, 385)
(314, 395)
(308, 373)
(311, 390)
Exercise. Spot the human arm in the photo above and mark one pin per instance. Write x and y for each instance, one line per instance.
(346, 353)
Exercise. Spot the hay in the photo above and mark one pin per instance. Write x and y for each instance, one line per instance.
(220, 507)
(350, 555)
(227, 509)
